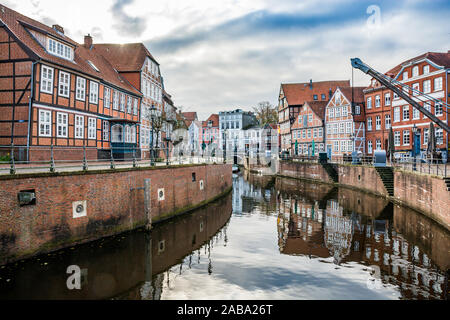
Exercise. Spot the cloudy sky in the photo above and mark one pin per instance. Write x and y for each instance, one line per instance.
(219, 55)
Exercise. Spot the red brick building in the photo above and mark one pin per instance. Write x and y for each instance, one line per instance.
(344, 125)
(309, 127)
(291, 98)
(137, 65)
(427, 73)
(57, 92)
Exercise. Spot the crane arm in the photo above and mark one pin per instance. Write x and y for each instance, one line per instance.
(358, 64)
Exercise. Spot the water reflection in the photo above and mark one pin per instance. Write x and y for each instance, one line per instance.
(401, 246)
(269, 239)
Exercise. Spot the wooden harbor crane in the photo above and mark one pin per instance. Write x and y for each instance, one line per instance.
(391, 84)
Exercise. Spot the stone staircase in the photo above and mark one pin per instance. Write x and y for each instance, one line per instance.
(387, 175)
(447, 182)
(332, 173)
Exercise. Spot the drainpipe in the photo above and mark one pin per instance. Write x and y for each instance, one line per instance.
(29, 108)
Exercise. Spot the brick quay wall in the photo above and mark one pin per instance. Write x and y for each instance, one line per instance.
(113, 201)
(424, 193)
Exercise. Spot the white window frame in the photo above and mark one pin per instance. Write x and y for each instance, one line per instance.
(377, 101)
(129, 105)
(407, 134)
(377, 144)
(387, 99)
(426, 69)
(92, 128)
(93, 92)
(415, 114)
(79, 127)
(438, 84)
(415, 71)
(405, 111)
(63, 85)
(440, 108)
(122, 102)
(114, 138)
(81, 89)
(105, 130)
(387, 121)
(397, 138)
(106, 97)
(115, 100)
(378, 123)
(47, 80)
(427, 86)
(369, 146)
(45, 123)
(369, 103)
(53, 47)
(62, 123)
(135, 106)
(369, 123)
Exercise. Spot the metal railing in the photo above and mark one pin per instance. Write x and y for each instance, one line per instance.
(425, 166)
(70, 159)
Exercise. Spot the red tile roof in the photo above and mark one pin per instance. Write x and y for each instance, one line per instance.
(191, 116)
(439, 58)
(318, 107)
(299, 93)
(18, 25)
(358, 94)
(125, 57)
(215, 120)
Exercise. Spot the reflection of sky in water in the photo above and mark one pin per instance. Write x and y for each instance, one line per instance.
(250, 266)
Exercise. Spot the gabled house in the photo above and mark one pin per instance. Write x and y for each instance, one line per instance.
(345, 122)
(308, 130)
(428, 74)
(292, 97)
(135, 63)
(56, 92)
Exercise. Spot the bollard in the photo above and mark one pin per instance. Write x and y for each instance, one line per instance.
(134, 158)
(112, 166)
(12, 170)
(85, 165)
(52, 159)
(147, 204)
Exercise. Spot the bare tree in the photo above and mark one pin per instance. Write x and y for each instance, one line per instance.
(266, 113)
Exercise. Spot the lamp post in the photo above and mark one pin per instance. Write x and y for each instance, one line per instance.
(224, 142)
(414, 146)
(152, 115)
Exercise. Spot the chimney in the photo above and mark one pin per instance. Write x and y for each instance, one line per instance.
(88, 41)
(58, 28)
(310, 84)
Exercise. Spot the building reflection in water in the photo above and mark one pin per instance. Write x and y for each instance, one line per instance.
(346, 226)
(135, 265)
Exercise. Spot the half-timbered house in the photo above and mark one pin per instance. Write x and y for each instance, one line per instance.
(308, 130)
(56, 92)
(344, 124)
(135, 63)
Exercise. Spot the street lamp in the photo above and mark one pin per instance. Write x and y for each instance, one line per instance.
(152, 115)
(224, 142)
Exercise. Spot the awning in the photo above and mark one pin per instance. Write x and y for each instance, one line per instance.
(122, 120)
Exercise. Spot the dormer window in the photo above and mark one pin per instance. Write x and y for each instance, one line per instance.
(58, 49)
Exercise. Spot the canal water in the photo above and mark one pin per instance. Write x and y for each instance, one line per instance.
(271, 238)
